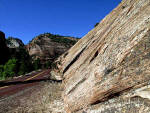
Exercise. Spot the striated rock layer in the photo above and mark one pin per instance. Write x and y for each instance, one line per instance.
(110, 60)
(48, 46)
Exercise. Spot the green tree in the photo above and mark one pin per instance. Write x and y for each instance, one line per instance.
(96, 24)
(10, 68)
(24, 61)
(1, 72)
(48, 64)
(23, 68)
(37, 64)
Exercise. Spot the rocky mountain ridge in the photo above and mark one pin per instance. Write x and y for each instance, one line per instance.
(14, 42)
(108, 70)
(48, 46)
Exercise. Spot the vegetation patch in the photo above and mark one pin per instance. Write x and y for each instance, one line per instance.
(58, 38)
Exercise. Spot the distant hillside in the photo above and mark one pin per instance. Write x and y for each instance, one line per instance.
(48, 47)
(14, 59)
(14, 42)
(18, 59)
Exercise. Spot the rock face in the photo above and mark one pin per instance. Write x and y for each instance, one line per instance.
(104, 71)
(3, 49)
(48, 46)
(14, 42)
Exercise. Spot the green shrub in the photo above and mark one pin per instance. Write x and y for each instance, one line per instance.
(24, 61)
(62, 40)
(48, 64)
(54, 65)
(10, 68)
(96, 24)
(1, 72)
(58, 38)
(23, 68)
(37, 64)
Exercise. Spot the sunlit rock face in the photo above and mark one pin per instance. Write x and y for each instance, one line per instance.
(112, 59)
(14, 42)
(3, 49)
(45, 48)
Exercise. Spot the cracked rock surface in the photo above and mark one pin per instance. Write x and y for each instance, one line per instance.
(112, 59)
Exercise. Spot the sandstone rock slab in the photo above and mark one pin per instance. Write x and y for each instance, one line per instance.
(111, 58)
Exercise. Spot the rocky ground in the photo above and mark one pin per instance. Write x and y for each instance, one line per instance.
(43, 98)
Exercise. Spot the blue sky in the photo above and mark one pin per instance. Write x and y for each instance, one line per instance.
(26, 19)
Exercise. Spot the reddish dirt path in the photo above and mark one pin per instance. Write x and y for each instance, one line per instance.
(8, 88)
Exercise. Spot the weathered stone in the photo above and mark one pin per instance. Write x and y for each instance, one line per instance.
(113, 57)
(55, 76)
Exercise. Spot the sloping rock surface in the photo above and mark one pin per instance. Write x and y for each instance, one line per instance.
(111, 59)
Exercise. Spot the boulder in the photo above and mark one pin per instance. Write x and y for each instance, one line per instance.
(55, 76)
(112, 59)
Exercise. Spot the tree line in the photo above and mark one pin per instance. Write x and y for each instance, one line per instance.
(19, 63)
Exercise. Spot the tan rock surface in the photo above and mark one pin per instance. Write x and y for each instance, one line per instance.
(45, 48)
(111, 58)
